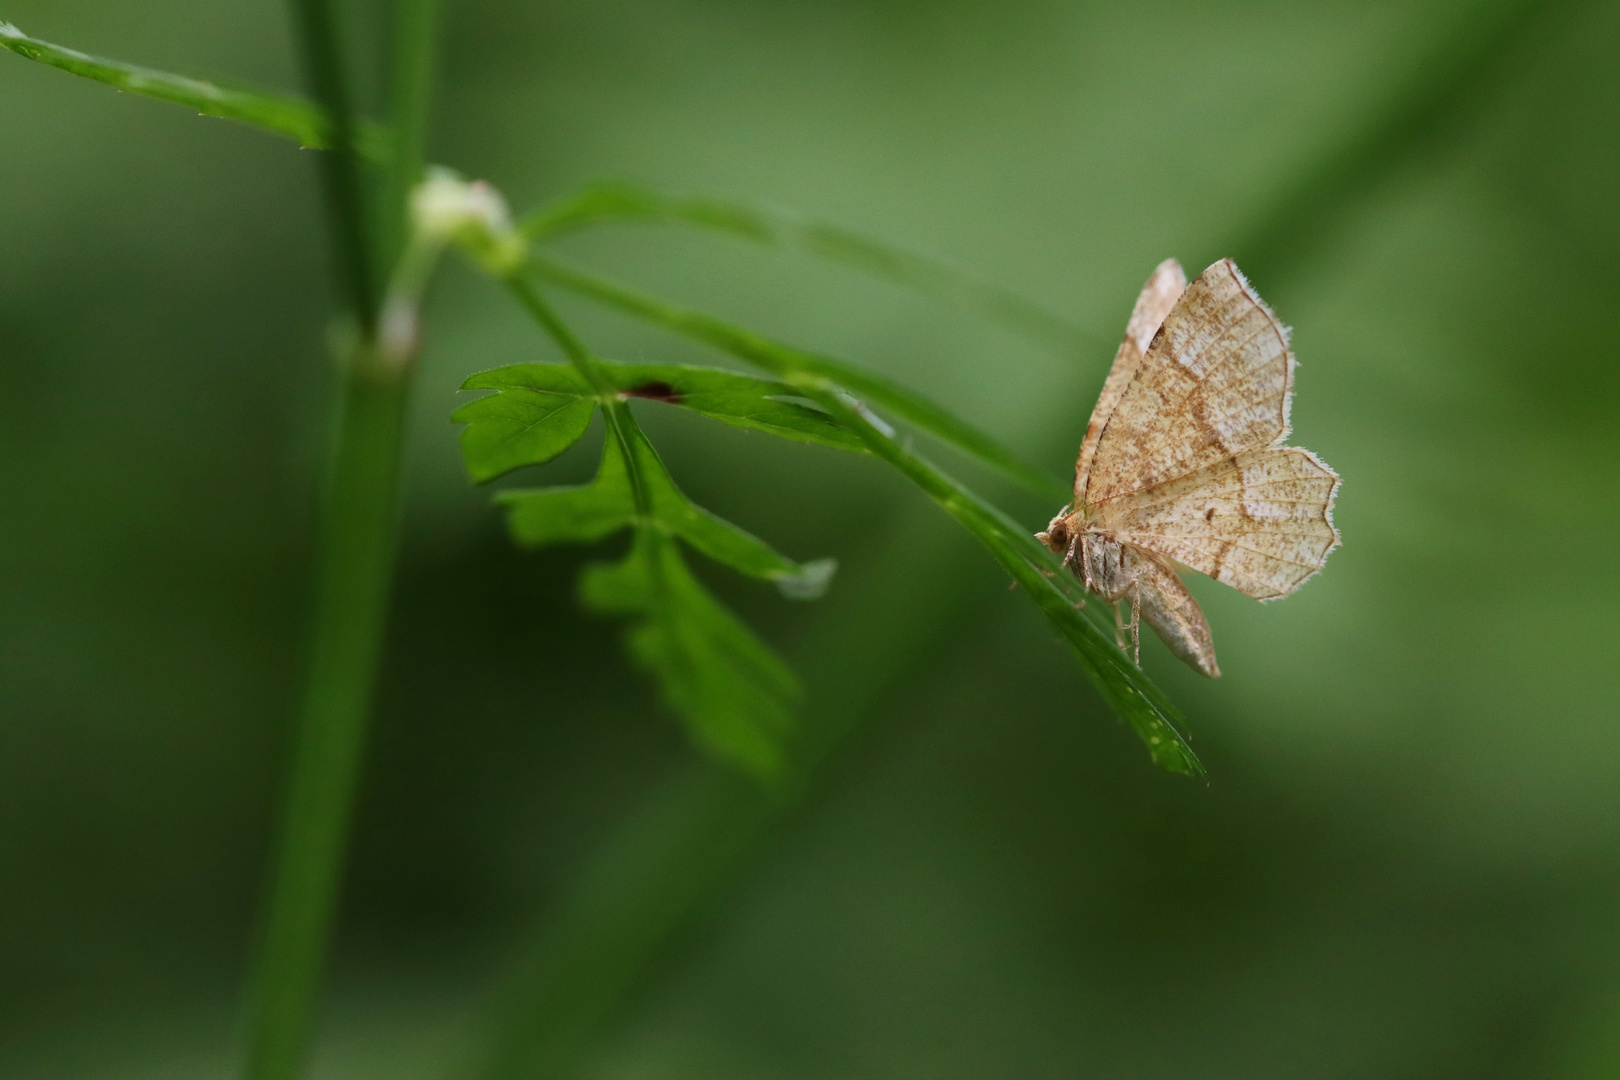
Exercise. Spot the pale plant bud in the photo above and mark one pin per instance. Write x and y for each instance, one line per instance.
(447, 209)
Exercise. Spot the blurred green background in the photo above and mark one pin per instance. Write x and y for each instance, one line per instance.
(1407, 859)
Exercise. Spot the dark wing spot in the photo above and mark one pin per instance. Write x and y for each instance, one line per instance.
(656, 390)
(1209, 515)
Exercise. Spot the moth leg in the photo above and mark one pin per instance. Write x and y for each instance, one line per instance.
(1136, 624)
(1077, 567)
(1076, 556)
(1119, 628)
(1073, 558)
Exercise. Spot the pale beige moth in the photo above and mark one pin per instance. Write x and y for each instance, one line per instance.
(1183, 464)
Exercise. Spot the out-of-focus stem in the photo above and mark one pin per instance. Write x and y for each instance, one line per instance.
(355, 551)
(353, 574)
(348, 222)
(410, 90)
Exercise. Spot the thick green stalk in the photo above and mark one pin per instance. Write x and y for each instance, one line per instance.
(410, 88)
(341, 177)
(355, 554)
(354, 571)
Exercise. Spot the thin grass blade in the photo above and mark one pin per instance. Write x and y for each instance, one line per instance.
(279, 114)
(612, 201)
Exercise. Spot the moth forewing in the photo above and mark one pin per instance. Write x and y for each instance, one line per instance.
(1164, 287)
(1213, 384)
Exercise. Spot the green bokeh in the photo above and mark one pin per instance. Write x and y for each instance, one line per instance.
(1407, 859)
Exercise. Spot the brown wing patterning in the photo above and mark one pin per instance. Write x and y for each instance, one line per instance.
(1183, 462)
(1214, 383)
(1260, 522)
(1164, 287)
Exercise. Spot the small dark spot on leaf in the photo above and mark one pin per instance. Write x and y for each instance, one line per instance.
(657, 390)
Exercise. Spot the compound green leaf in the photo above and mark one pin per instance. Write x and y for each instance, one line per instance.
(733, 693)
(540, 411)
(573, 515)
(719, 539)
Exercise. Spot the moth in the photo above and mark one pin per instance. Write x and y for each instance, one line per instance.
(1183, 464)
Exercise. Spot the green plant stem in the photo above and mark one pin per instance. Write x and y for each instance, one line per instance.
(410, 90)
(355, 554)
(355, 567)
(562, 334)
(609, 202)
(348, 222)
(621, 424)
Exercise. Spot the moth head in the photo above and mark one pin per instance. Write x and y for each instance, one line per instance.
(1057, 534)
